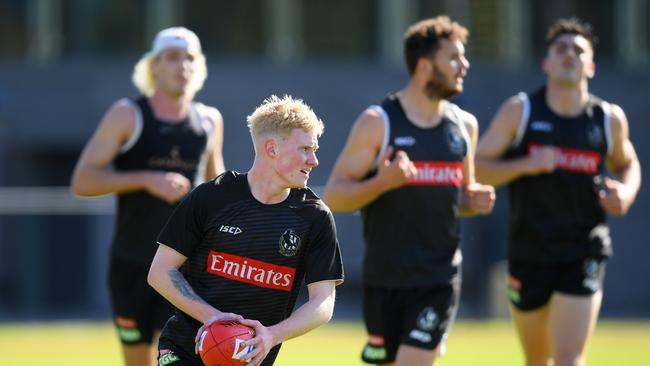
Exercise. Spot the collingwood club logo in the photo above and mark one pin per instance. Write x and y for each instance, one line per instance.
(595, 136)
(289, 243)
(455, 143)
(427, 319)
(425, 323)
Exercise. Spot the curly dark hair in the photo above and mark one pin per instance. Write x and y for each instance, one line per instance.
(571, 25)
(422, 38)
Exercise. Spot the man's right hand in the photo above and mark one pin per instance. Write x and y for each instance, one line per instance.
(213, 318)
(543, 160)
(168, 186)
(397, 172)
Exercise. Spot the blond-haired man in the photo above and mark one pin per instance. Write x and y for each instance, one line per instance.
(150, 151)
(261, 234)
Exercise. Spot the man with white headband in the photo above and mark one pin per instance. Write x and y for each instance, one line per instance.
(150, 151)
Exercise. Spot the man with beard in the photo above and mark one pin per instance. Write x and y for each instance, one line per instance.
(551, 147)
(408, 165)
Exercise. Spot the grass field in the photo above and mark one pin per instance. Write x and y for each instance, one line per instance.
(470, 344)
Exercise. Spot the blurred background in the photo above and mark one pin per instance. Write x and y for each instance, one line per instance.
(64, 62)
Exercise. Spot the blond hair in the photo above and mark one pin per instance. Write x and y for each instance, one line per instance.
(144, 80)
(279, 116)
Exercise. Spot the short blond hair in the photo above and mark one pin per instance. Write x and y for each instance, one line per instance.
(279, 116)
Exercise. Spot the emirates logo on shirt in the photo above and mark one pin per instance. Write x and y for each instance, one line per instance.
(574, 160)
(438, 173)
(250, 271)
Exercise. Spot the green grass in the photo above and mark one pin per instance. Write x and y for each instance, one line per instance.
(470, 343)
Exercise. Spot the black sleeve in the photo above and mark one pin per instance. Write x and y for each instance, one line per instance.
(184, 229)
(324, 256)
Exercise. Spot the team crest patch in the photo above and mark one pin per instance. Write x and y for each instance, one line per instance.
(289, 243)
(427, 319)
(595, 136)
(456, 145)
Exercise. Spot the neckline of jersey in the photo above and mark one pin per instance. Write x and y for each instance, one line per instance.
(406, 117)
(282, 203)
(550, 110)
(167, 122)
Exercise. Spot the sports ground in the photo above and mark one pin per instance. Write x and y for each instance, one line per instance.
(472, 343)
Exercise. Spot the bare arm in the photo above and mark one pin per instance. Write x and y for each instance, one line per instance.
(346, 189)
(476, 198)
(490, 169)
(165, 278)
(316, 311)
(93, 174)
(623, 162)
(215, 164)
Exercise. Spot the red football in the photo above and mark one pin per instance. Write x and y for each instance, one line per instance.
(220, 343)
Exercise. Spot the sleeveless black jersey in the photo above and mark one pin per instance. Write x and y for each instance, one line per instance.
(160, 146)
(556, 217)
(412, 232)
(247, 257)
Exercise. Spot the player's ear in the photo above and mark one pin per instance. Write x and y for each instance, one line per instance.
(271, 148)
(424, 66)
(591, 70)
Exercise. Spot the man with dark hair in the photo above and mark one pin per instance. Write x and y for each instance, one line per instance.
(408, 165)
(551, 147)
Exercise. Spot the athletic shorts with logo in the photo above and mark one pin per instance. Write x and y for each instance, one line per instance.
(530, 285)
(138, 310)
(169, 355)
(418, 317)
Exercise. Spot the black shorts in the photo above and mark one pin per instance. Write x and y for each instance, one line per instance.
(172, 356)
(418, 317)
(138, 310)
(530, 285)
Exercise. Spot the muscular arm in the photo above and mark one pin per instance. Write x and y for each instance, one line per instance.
(215, 164)
(476, 198)
(316, 311)
(346, 189)
(165, 278)
(624, 164)
(93, 175)
(490, 169)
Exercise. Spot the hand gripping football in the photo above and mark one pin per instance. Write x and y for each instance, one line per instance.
(221, 343)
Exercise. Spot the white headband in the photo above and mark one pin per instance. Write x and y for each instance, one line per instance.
(176, 37)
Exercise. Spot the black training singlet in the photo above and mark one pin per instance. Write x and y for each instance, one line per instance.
(156, 146)
(412, 232)
(556, 217)
(246, 257)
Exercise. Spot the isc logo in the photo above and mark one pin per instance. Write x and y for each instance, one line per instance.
(230, 229)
